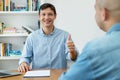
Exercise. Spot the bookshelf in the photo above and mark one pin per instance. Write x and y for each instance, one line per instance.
(24, 14)
(20, 12)
(15, 35)
(10, 58)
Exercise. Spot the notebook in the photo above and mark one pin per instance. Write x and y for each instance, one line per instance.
(38, 73)
(8, 73)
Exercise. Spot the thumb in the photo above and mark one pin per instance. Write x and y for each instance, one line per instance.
(69, 38)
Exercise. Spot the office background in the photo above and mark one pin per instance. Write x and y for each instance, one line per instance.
(74, 16)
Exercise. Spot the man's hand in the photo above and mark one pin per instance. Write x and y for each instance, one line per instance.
(24, 67)
(71, 48)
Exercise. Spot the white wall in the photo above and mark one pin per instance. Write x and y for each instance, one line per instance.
(77, 17)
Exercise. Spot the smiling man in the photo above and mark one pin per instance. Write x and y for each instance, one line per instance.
(48, 47)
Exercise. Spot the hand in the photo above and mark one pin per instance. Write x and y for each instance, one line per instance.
(24, 67)
(70, 44)
(71, 48)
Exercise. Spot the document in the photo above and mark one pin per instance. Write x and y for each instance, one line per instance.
(37, 73)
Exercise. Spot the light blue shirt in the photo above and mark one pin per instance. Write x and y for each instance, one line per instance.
(46, 51)
(99, 60)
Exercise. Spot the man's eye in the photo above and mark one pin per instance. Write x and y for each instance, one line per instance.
(50, 14)
(43, 14)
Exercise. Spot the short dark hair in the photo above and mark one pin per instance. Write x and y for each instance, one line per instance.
(47, 5)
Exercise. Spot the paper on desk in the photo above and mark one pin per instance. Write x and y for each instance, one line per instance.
(38, 73)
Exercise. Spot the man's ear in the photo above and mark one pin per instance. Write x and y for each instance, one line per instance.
(104, 14)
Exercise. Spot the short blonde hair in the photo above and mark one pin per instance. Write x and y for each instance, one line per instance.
(112, 6)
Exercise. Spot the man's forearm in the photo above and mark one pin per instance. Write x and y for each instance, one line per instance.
(73, 55)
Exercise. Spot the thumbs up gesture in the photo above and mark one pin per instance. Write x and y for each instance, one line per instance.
(70, 44)
(71, 47)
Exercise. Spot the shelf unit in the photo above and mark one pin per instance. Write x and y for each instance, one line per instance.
(18, 12)
(10, 58)
(14, 35)
(16, 19)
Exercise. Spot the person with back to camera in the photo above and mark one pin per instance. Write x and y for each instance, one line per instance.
(100, 58)
(49, 46)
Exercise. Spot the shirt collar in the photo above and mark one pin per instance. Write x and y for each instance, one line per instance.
(42, 33)
(115, 27)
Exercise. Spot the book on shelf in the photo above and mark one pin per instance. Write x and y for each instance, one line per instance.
(9, 30)
(5, 48)
(28, 5)
(15, 53)
(12, 5)
(38, 5)
(1, 5)
(2, 49)
(7, 5)
(28, 29)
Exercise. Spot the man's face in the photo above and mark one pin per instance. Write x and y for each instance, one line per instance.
(98, 15)
(47, 17)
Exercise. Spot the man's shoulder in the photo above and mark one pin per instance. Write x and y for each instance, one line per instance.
(62, 32)
(95, 44)
(101, 45)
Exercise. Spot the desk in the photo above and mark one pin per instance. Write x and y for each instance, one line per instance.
(54, 75)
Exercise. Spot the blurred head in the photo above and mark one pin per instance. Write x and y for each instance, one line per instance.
(47, 14)
(107, 13)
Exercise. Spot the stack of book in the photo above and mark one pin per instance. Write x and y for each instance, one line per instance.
(19, 5)
(13, 30)
(6, 50)
(8, 30)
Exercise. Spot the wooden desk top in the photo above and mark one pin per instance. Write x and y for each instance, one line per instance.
(54, 75)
